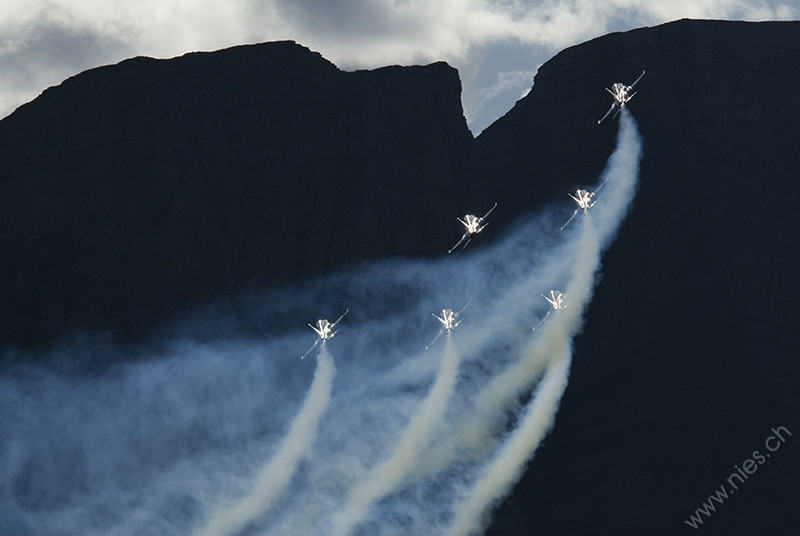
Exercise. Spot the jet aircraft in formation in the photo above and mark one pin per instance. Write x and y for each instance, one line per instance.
(448, 320)
(473, 225)
(622, 94)
(325, 331)
(557, 301)
(585, 200)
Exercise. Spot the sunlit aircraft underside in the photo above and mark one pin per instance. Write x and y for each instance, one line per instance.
(473, 225)
(585, 200)
(448, 320)
(325, 331)
(622, 94)
(557, 301)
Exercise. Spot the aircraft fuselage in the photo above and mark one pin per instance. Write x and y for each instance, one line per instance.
(448, 319)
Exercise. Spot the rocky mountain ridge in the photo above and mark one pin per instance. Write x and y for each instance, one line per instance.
(134, 190)
(140, 188)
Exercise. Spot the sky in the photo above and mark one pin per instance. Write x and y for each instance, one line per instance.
(497, 46)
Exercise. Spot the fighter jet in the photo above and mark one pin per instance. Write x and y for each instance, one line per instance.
(622, 94)
(448, 320)
(474, 225)
(557, 301)
(585, 200)
(325, 331)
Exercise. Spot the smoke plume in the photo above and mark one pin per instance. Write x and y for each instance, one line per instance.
(274, 477)
(216, 428)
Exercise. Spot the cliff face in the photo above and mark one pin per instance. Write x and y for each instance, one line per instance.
(133, 190)
(689, 354)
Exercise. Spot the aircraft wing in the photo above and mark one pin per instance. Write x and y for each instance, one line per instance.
(436, 337)
(465, 237)
(614, 105)
(340, 318)
(637, 81)
(570, 218)
(490, 211)
(543, 319)
(601, 185)
(309, 350)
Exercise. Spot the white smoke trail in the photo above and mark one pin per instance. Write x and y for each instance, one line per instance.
(622, 171)
(479, 430)
(507, 466)
(147, 446)
(502, 472)
(551, 350)
(274, 477)
(554, 338)
(174, 428)
(390, 474)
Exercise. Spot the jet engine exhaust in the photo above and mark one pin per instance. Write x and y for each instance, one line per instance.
(500, 474)
(471, 514)
(211, 429)
(391, 473)
(276, 474)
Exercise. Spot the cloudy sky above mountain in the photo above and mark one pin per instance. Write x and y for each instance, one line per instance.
(496, 45)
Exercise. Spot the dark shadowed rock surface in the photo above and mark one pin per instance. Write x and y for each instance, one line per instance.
(134, 190)
(131, 190)
(689, 357)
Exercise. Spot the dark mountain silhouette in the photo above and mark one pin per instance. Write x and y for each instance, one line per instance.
(689, 357)
(135, 190)
(131, 190)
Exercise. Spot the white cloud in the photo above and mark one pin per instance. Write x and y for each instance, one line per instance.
(506, 81)
(351, 33)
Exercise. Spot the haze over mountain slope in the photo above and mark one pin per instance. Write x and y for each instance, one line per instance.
(690, 351)
(137, 190)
